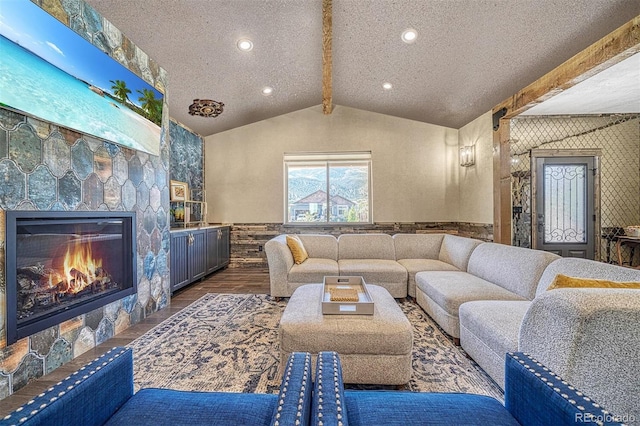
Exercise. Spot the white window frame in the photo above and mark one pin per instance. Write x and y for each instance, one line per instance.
(327, 159)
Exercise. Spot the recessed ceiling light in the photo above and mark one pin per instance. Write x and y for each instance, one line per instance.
(245, 44)
(409, 35)
(267, 91)
(387, 86)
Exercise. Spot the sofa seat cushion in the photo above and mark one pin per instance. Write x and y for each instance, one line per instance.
(488, 330)
(374, 271)
(413, 266)
(149, 406)
(313, 270)
(410, 408)
(450, 289)
(495, 322)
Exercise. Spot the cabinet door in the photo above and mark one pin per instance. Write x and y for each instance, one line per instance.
(212, 250)
(198, 255)
(223, 247)
(179, 268)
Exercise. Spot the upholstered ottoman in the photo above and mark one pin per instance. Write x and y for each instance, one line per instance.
(374, 349)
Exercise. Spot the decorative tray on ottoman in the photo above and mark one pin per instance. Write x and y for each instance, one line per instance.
(346, 296)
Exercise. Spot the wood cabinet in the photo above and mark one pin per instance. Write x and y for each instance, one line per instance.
(196, 253)
(179, 271)
(224, 246)
(217, 248)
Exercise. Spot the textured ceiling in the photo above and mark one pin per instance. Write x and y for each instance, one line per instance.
(469, 56)
(614, 90)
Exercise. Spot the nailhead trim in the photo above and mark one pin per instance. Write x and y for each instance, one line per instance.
(556, 389)
(286, 379)
(61, 393)
(335, 385)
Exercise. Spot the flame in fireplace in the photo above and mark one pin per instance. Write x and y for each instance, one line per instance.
(80, 267)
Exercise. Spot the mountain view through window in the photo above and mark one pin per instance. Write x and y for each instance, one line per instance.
(328, 191)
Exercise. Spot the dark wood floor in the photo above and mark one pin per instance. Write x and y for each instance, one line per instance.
(246, 281)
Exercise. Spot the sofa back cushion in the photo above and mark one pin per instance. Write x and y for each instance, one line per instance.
(366, 246)
(516, 269)
(584, 268)
(320, 245)
(456, 250)
(417, 246)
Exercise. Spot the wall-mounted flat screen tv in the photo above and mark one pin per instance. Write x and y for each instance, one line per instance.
(49, 72)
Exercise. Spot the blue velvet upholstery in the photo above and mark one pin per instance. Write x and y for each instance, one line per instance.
(101, 393)
(328, 392)
(537, 396)
(402, 408)
(534, 396)
(160, 407)
(85, 398)
(333, 406)
(294, 399)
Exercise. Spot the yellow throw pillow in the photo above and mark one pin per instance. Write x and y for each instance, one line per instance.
(563, 281)
(297, 249)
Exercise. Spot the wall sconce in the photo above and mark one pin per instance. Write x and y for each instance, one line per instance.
(468, 156)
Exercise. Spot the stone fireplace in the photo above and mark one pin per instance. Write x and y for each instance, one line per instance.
(50, 169)
(64, 264)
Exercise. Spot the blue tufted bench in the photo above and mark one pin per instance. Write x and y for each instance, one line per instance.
(534, 396)
(101, 393)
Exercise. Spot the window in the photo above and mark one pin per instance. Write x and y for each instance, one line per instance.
(328, 187)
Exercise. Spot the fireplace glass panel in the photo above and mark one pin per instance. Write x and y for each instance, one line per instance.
(66, 266)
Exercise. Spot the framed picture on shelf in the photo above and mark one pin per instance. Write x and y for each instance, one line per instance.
(177, 215)
(179, 190)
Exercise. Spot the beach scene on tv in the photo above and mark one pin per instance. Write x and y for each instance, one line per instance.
(49, 72)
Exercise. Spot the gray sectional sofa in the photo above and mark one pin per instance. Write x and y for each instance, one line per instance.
(494, 298)
(494, 272)
(589, 336)
(390, 262)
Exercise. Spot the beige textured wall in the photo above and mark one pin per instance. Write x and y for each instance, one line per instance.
(415, 165)
(476, 182)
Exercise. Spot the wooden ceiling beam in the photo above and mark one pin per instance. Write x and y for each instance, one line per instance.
(327, 38)
(606, 52)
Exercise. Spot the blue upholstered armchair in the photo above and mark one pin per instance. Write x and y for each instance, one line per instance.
(101, 393)
(534, 396)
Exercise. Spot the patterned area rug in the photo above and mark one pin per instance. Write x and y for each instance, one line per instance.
(229, 343)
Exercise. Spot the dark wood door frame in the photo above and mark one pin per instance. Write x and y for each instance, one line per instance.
(606, 52)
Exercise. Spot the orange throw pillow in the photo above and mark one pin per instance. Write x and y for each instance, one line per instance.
(297, 249)
(563, 281)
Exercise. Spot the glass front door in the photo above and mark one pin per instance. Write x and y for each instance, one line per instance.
(565, 215)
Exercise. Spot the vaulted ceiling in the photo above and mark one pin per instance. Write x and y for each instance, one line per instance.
(469, 54)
